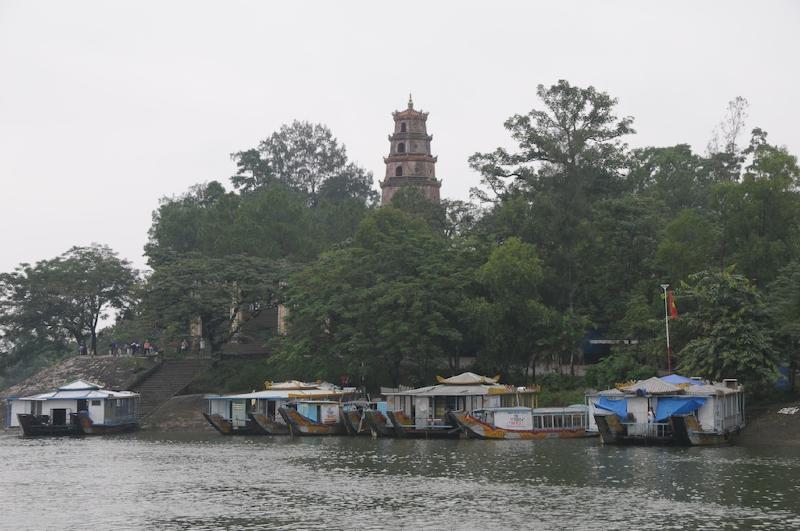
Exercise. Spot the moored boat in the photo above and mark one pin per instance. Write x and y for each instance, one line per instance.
(78, 408)
(257, 413)
(672, 410)
(313, 417)
(378, 423)
(423, 412)
(524, 422)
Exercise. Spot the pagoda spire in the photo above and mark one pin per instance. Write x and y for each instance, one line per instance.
(410, 163)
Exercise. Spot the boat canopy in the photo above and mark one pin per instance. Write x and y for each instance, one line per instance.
(80, 390)
(278, 394)
(652, 386)
(618, 406)
(669, 406)
(677, 379)
(468, 378)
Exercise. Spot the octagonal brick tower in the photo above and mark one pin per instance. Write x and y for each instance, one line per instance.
(410, 163)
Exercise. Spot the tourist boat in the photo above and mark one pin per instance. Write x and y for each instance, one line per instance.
(78, 408)
(257, 413)
(672, 410)
(423, 412)
(313, 417)
(524, 422)
(354, 415)
(378, 422)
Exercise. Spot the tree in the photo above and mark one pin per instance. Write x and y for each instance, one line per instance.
(223, 293)
(569, 156)
(306, 157)
(728, 329)
(388, 301)
(67, 295)
(784, 307)
(516, 325)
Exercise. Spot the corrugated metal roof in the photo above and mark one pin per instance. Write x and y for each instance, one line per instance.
(456, 390)
(88, 394)
(467, 378)
(653, 386)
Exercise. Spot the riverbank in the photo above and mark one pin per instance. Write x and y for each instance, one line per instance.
(767, 427)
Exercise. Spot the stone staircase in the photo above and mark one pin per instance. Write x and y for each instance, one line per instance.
(165, 382)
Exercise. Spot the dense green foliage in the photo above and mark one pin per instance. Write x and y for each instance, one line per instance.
(572, 233)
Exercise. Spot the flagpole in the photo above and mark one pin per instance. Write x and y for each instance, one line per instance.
(666, 325)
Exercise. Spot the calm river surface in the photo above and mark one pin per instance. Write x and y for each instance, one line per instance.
(204, 481)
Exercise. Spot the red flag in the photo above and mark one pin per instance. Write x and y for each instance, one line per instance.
(673, 308)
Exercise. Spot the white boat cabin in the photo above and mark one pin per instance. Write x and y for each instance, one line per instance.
(542, 418)
(105, 407)
(236, 408)
(465, 392)
(718, 406)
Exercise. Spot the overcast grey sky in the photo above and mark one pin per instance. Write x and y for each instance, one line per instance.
(107, 106)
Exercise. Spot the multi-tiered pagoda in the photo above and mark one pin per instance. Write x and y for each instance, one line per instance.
(410, 163)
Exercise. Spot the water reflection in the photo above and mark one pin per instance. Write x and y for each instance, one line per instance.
(149, 480)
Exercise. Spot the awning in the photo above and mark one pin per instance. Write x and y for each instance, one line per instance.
(671, 406)
(618, 406)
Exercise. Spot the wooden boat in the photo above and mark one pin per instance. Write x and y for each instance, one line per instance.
(672, 410)
(379, 424)
(41, 425)
(422, 412)
(523, 423)
(78, 408)
(229, 426)
(87, 426)
(268, 426)
(257, 413)
(354, 416)
(313, 417)
(405, 428)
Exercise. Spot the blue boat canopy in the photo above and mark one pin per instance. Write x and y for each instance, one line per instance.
(676, 379)
(618, 406)
(670, 406)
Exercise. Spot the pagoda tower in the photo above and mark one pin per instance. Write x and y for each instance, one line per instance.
(410, 163)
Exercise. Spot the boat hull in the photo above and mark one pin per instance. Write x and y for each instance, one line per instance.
(226, 427)
(355, 422)
(300, 425)
(37, 426)
(266, 426)
(378, 424)
(88, 427)
(613, 431)
(476, 429)
(404, 427)
(699, 437)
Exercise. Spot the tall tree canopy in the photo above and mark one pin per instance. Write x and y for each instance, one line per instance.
(65, 296)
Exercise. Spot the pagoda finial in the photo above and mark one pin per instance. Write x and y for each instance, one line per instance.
(410, 101)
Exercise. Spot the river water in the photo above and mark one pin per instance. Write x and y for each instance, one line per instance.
(205, 481)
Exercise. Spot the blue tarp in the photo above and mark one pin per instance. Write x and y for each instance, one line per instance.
(618, 406)
(669, 406)
(676, 379)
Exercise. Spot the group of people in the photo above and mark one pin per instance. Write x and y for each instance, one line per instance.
(133, 348)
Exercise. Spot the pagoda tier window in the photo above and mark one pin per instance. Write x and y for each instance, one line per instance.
(398, 172)
(401, 147)
(402, 127)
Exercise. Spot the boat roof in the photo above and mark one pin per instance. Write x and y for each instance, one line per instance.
(457, 390)
(674, 384)
(79, 390)
(468, 378)
(277, 394)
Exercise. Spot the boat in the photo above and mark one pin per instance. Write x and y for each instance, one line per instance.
(257, 413)
(313, 417)
(378, 423)
(524, 422)
(671, 410)
(354, 416)
(423, 412)
(78, 408)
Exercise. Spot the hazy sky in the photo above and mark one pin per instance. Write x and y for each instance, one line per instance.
(105, 107)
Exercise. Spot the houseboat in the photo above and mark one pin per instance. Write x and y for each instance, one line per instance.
(672, 410)
(423, 412)
(78, 408)
(257, 413)
(524, 422)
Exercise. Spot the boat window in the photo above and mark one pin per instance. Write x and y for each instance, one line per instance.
(537, 421)
(547, 421)
(558, 421)
(95, 402)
